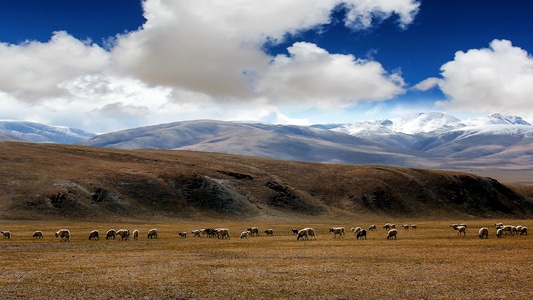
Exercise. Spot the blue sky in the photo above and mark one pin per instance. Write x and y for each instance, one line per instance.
(110, 65)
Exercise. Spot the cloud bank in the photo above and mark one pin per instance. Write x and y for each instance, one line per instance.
(197, 58)
(207, 59)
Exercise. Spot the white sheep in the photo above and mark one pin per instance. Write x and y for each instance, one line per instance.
(405, 227)
(63, 234)
(499, 232)
(93, 235)
(393, 233)
(124, 234)
(337, 231)
(269, 231)
(183, 234)
(372, 227)
(483, 232)
(523, 231)
(135, 234)
(302, 234)
(460, 229)
(355, 230)
(196, 232)
(6, 234)
(244, 234)
(306, 233)
(152, 233)
(414, 227)
(111, 233)
(253, 231)
(38, 234)
(223, 233)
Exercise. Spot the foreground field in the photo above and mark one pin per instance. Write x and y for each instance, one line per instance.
(430, 263)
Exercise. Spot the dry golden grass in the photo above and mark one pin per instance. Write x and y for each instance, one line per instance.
(431, 263)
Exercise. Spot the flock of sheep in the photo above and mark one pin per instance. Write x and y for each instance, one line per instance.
(64, 234)
(301, 234)
(501, 230)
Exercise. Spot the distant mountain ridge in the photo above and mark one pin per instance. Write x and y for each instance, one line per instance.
(426, 140)
(41, 133)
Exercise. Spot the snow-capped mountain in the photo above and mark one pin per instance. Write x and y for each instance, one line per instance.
(40, 133)
(436, 123)
(426, 140)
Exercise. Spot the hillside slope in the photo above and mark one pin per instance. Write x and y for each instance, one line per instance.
(48, 181)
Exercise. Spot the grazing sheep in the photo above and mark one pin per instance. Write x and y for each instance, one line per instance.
(302, 234)
(414, 227)
(244, 234)
(210, 232)
(337, 231)
(124, 234)
(405, 227)
(295, 231)
(523, 230)
(253, 231)
(152, 233)
(63, 234)
(498, 224)
(372, 227)
(197, 233)
(38, 234)
(111, 233)
(223, 233)
(93, 235)
(306, 233)
(387, 226)
(135, 234)
(183, 234)
(460, 229)
(361, 234)
(269, 231)
(507, 229)
(392, 234)
(311, 232)
(499, 232)
(355, 230)
(483, 232)
(6, 234)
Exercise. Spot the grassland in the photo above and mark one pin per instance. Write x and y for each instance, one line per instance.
(430, 263)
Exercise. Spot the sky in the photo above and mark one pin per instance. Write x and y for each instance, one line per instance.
(104, 66)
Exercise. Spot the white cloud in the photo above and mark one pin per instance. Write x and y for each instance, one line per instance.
(32, 70)
(427, 84)
(495, 79)
(312, 75)
(364, 12)
(199, 59)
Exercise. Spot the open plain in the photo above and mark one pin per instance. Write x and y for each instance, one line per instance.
(432, 262)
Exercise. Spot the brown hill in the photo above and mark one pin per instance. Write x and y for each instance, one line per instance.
(49, 181)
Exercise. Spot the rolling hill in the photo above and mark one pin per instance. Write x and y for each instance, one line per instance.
(68, 182)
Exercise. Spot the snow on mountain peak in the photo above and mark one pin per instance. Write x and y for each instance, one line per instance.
(422, 122)
(437, 122)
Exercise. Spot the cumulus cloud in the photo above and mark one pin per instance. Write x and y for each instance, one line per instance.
(491, 79)
(33, 70)
(312, 75)
(202, 59)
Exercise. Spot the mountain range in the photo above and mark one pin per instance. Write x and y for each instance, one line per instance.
(426, 140)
